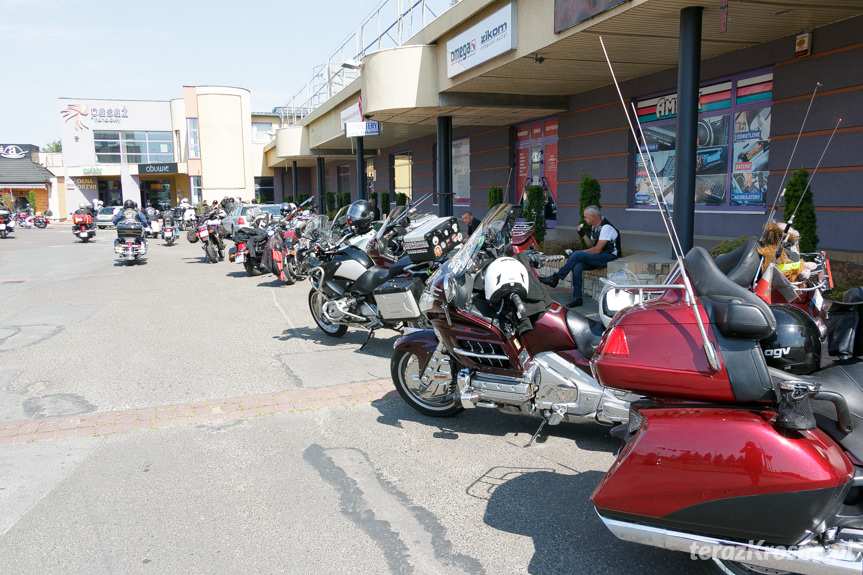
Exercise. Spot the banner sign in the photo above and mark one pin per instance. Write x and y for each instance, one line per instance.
(148, 169)
(568, 13)
(488, 39)
(360, 129)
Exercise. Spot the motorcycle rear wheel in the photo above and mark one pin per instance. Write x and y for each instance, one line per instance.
(42, 225)
(726, 567)
(404, 366)
(316, 306)
(290, 275)
(251, 268)
(211, 253)
(3, 234)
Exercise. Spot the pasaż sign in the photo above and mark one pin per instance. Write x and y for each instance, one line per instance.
(154, 169)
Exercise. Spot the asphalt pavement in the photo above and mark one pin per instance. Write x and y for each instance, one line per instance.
(178, 416)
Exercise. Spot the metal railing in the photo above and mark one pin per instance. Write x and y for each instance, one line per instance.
(375, 33)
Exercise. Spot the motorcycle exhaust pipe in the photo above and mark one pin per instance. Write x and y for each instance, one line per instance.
(807, 560)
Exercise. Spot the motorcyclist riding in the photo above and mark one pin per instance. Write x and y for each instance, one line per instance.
(130, 211)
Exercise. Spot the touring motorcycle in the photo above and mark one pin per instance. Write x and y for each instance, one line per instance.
(208, 232)
(131, 242)
(499, 341)
(349, 289)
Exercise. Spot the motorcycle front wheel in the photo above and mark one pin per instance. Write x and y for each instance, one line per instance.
(290, 275)
(405, 370)
(211, 253)
(316, 306)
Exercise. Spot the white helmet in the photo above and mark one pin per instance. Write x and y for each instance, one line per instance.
(83, 205)
(505, 276)
(612, 300)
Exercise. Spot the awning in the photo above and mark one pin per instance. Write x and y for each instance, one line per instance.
(23, 187)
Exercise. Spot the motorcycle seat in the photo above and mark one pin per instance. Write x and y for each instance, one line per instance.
(586, 332)
(741, 264)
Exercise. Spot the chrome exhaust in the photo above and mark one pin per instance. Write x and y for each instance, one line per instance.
(811, 559)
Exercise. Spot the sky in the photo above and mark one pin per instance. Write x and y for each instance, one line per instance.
(125, 50)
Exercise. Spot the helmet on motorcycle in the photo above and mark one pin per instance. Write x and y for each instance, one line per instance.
(83, 205)
(287, 209)
(612, 300)
(360, 215)
(795, 346)
(504, 277)
(129, 205)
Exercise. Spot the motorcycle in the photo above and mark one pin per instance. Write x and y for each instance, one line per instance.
(499, 341)
(41, 219)
(82, 227)
(208, 233)
(169, 229)
(24, 218)
(7, 222)
(349, 289)
(131, 242)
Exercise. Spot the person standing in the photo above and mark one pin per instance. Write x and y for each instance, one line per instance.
(603, 246)
(377, 212)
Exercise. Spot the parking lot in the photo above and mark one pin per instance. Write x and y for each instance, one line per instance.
(340, 482)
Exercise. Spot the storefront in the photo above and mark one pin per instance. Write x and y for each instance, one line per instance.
(22, 181)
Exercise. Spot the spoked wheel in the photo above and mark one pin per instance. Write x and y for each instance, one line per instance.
(316, 306)
(212, 253)
(251, 268)
(726, 567)
(290, 273)
(436, 401)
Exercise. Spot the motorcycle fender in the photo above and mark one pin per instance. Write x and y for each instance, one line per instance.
(725, 473)
(422, 344)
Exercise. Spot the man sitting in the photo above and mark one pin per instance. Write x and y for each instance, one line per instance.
(603, 246)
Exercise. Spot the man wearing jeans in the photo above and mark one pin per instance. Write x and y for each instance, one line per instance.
(603, 246)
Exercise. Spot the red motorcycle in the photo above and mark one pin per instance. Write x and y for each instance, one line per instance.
(751, 468)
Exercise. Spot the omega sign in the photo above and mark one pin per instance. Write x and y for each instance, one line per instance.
(483, 41)
(150, 169)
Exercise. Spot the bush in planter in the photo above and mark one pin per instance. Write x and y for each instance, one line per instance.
(534, 211)
(330, 199)
(804, 219)
(401, 199)
(495, 196)
(385, 202)
(589, 194)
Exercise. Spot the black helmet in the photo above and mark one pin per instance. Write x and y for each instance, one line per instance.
(795, 346)
(287, 209)
(360, 215)
(129, 205)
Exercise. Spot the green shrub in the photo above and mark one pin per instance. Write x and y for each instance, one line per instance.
(534, 211)
(32, 198)
(804, 219)
(385, 202)
(589, 194)
(495, 196)
(344, 199)
(846, 275)
(401, 199)
(727, 246)
(330, 200)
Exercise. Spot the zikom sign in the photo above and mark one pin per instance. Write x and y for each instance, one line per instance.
(483, 41)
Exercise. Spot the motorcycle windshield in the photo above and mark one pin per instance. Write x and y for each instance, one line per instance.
(492, 232)
(393, 219)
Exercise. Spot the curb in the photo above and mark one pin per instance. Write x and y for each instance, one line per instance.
(102, 424)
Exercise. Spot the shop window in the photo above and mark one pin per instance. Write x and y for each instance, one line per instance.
(264, 191)
(732, 149)
(344, 179)
(197, 189)
(370, 177)
(402, 175)
(133, 147)
(461, 171)
(261, 133)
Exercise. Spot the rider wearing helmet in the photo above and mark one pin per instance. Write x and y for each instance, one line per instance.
(86, 209)
(130, 211)
(360, 216)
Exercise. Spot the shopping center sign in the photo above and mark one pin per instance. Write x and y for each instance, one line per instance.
(568, 13)
(481, 42)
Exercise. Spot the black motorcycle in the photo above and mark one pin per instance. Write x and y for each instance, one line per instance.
(208, 232)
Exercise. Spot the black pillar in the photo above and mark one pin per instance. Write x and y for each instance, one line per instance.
(322, 186)
(362, 192)
(444, 165)
(294, 181)
(688, 71)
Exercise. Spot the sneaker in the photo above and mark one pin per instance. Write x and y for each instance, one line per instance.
(549, 280)
(575, 303)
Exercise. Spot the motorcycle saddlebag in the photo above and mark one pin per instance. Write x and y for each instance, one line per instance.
(397, 298)
(844, 329)
(79, 219)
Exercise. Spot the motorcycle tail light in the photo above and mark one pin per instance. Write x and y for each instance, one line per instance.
(241, 247)
(615, 344)
(241, 221)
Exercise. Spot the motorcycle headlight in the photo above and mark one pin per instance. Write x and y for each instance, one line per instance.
(450, 288)
(426, 302)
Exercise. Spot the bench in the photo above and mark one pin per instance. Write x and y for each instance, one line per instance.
(648, 267)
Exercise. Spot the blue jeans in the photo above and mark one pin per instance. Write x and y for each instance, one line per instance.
(580, 261)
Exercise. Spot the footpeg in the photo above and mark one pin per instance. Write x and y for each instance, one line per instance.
(551, 417)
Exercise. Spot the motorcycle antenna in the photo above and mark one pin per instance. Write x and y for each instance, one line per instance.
(709, 349)
(809, 183)
(781, 192)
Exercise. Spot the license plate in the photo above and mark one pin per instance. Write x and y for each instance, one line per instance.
(169, 233)
(83, 234)
(240, 257)
(203, 234)
(817, 300)
(2, 226)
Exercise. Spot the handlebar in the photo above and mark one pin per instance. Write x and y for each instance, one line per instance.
(519, 305)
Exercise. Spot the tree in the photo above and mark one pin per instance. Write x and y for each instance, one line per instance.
(385, 202)
(55, 146)
(804, 220)
(401, 199)
(588, 195)
(32, 198)
(534, 211)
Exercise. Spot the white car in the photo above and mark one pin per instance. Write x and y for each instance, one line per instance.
(104, 217)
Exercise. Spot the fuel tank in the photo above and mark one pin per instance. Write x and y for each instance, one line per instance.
(724, 473)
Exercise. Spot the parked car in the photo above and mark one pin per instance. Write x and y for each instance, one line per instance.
(104, 217)
(243, 216)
